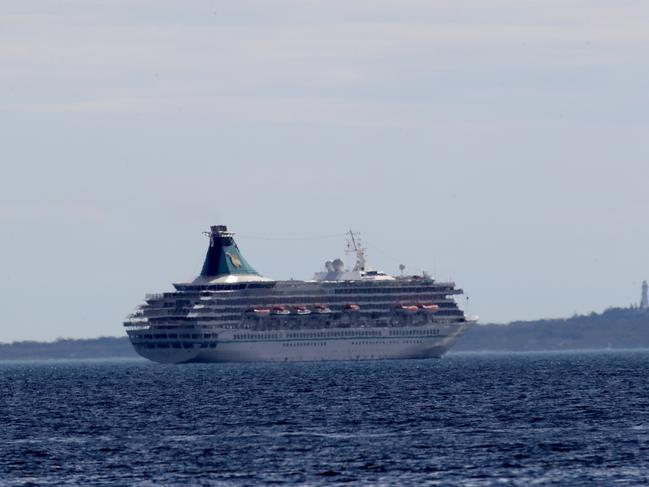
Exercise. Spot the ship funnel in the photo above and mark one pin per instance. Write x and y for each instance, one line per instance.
(223, 255)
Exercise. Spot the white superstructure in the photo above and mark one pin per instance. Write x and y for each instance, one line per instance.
(229, 313)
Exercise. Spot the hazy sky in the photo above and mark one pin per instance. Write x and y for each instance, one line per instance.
(504, 144)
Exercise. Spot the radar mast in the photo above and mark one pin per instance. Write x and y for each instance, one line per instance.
(354, 246)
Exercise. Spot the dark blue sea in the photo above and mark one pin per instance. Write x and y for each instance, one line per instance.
(470, 420)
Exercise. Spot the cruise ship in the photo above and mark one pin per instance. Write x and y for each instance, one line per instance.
(230, 313)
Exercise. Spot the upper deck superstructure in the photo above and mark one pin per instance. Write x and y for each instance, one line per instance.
(230, 312)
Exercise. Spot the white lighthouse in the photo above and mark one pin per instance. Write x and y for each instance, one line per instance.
(644, 301)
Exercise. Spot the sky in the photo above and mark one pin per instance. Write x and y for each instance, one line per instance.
(501, 144)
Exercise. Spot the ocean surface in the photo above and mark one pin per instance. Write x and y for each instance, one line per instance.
(470, 420)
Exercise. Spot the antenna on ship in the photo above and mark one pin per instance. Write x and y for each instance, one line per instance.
(354, 246)
(211, 235)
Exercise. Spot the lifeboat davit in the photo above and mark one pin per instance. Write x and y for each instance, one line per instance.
(352, 307)
(428, 308)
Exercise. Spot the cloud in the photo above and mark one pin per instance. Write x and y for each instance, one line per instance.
(250, 109)
(295, 61)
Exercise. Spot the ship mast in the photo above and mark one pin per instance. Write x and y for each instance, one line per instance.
(354, 246)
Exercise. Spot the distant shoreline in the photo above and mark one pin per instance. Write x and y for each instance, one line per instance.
(542, 352)
(616, 329)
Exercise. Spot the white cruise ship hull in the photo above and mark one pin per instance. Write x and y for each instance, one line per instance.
(240, 345)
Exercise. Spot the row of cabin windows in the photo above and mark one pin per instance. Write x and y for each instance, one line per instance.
(229, 287)
(334, 334)
(189, 345)
(426, 332)
(151, 345)
(182, 335)
(371, 342)
(439, 299)
(250, 336)
(220, 323)
(352, 288)
(180, 304)
(303, 335)
(316, 334)
(386, 290)
(181, 299)
(237, 310)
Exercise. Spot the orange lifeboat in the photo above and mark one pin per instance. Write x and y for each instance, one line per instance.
(280, 310)
(408, 308)
(259, 311)
(321, 308)
(428, 308)
(302, 310)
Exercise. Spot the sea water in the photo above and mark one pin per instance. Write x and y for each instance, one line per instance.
(506, 419)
